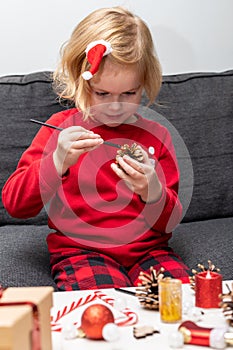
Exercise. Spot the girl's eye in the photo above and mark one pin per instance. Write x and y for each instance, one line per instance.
(129, 93)
(101, 93)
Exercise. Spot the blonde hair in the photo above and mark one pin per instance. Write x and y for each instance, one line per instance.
(131, 43)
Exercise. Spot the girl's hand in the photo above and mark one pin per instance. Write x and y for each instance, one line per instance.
(72, 142)
(141, 178)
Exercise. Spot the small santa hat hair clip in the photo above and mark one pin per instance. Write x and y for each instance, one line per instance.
(95, 51)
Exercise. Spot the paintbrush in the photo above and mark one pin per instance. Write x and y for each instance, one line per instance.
(108, 143)
(139, 295)
(126, 291)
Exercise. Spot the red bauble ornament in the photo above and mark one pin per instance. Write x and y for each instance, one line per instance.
(94, 318)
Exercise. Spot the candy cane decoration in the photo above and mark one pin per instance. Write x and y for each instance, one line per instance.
(130, 316)
(109, 300)
(74, 305)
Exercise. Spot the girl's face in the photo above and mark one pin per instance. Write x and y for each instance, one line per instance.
(115, 94)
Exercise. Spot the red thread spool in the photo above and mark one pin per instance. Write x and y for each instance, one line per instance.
(196, 335)
(208, 287)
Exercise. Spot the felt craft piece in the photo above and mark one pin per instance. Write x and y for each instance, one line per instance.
(95, 51)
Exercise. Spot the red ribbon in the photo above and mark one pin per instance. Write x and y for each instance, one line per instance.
(36, 340)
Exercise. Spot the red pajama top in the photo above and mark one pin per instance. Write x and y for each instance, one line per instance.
(90, 207)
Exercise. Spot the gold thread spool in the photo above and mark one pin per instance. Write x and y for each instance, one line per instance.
(170, 300)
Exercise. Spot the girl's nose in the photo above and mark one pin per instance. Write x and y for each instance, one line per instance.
(115, 106)
(115, 103)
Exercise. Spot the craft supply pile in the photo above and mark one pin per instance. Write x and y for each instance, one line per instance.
(29, 318)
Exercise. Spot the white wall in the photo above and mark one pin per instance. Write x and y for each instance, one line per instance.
(189, 35)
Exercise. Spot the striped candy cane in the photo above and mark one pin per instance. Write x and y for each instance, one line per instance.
(109, 300)
(68, 309)
(130, 317)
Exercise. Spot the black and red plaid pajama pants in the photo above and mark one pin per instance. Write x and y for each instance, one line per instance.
(84, 269)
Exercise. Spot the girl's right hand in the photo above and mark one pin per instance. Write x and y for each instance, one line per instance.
(72, 142)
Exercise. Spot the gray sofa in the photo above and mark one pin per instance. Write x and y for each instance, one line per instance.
(199, 106)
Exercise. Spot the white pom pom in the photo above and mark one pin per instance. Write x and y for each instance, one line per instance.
(87, 75)
(176, 340)
(69, 331)
(217, 338)
(110, 332)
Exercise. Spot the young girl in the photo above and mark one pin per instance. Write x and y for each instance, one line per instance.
(110, 219)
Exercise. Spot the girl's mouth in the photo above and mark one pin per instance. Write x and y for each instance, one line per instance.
(114, 116)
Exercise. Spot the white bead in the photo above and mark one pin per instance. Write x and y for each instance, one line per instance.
(151, 150)
(69, 331)
(110, 332)
(176, 340)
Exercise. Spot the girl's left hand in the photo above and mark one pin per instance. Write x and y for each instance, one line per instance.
(141, 178)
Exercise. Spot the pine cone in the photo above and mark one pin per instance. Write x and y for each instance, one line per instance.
(134, 151)
(147, 291)
(227, 306)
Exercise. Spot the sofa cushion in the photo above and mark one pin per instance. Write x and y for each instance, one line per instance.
(24, 256)
(22, 97)
(200, 107)
(200, 241)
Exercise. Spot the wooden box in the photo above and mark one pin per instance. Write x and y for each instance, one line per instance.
(18, 321)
